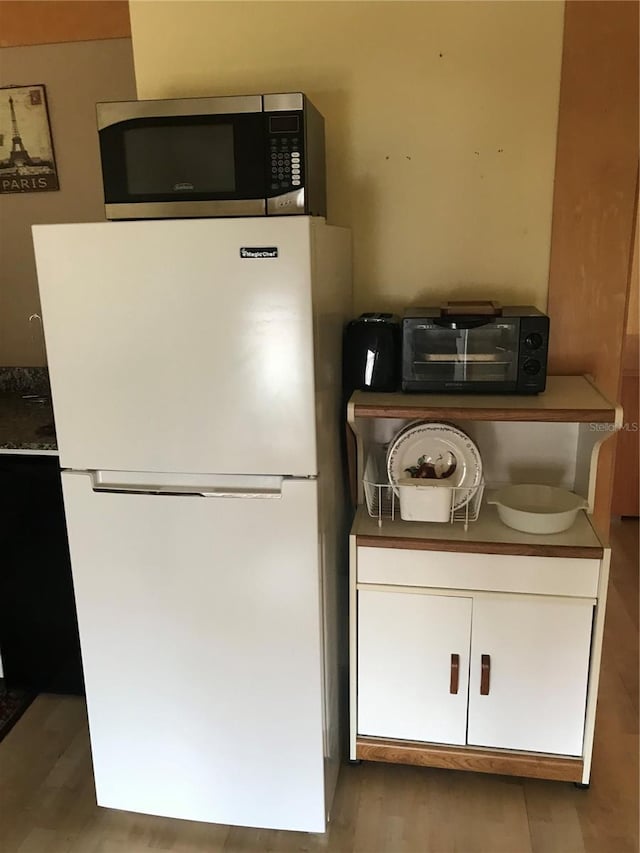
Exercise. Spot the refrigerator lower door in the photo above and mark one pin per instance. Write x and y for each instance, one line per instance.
(199, 623)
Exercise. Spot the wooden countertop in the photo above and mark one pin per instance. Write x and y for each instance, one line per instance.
(566, 399)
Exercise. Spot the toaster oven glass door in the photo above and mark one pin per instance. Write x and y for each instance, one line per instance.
(482, 354)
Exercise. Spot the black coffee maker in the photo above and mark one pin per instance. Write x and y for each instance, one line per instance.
(372, 353)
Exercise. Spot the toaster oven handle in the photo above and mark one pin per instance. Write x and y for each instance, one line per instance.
(461, 322)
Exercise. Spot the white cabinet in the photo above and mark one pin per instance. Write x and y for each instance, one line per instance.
(523, 613)
(413, 665)
(529, 673)
(523, 686)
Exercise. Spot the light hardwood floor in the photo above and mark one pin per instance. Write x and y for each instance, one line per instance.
(47, 802)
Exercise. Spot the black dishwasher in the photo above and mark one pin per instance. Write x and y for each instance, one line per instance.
(38, 625)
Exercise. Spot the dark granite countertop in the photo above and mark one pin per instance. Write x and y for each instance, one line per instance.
(26, 415)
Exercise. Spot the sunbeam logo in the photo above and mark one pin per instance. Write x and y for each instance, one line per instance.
(258, 252)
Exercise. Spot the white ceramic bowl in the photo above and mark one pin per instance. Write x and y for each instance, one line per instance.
(424, 500)
(537, 508)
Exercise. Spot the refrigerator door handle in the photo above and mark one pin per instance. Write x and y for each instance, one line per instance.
(193, 491)
(180, 485)
(236, 493)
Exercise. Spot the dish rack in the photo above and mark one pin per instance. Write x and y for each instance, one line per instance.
(383, 502)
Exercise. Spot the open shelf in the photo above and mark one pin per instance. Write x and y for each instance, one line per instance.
(487, 535)
(571, 399)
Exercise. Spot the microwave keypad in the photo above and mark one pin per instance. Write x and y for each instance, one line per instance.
(286, 163)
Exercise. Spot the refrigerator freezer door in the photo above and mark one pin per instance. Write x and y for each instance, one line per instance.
(200, 631)
(170, 351)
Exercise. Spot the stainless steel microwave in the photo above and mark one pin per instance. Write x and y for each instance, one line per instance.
(475, 347)
(247, 155)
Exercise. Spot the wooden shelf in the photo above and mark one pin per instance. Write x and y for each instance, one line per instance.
(571, 399)
(487, 535)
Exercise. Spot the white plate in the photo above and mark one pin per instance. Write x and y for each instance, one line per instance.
(447, 453)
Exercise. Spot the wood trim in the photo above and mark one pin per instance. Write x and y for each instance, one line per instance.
(28, 22)
(594, 189)
(513, 548)
(594, 202)
(633, 303)
(405, 410)
(631, 358)
(531, 765)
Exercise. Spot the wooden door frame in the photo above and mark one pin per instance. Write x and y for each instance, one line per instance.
(594, 203)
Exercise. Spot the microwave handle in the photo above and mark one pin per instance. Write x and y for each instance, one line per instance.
(461, 322)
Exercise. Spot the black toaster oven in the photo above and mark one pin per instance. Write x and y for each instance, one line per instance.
(475, 347)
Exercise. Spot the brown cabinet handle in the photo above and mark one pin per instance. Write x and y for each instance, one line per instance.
(455, 673)
(485, 674)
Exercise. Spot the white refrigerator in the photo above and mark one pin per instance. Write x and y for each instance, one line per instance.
(195, 374)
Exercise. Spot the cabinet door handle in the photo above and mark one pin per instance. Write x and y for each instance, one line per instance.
(485, 674)
(455, 673)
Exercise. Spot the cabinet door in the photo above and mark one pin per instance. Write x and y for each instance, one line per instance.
(407, 643)
(535, 653)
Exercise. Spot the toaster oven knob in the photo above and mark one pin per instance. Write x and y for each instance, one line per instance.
(531, 366)
(534, 340)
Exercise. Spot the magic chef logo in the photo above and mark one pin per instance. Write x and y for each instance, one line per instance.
(259, 252)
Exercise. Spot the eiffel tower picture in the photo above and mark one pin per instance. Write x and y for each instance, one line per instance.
(19, 155)
(30, 164)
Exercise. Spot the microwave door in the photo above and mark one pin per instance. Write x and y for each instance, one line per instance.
(184, 166)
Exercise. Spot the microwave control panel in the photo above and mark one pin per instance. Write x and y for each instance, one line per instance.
(285, 166)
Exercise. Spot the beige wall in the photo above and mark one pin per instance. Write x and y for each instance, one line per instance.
(76, 76)
(440, 119)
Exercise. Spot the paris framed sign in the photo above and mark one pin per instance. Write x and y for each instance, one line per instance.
(27, 162)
